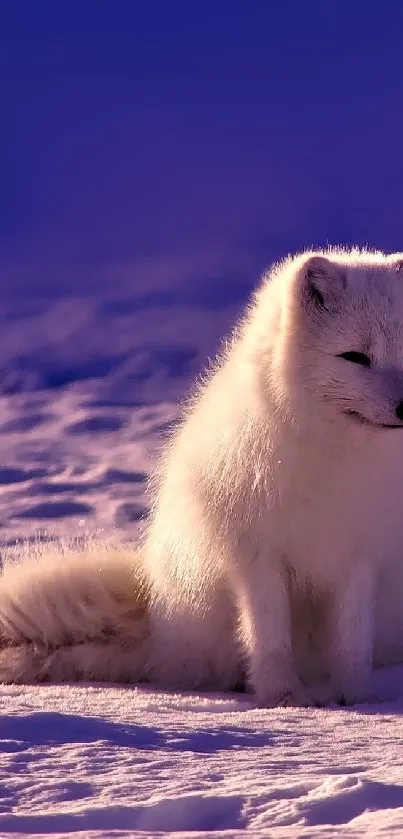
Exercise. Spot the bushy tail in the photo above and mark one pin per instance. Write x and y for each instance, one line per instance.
(72, 613)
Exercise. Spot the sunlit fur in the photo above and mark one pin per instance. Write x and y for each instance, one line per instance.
(274, 549)
(71, 612)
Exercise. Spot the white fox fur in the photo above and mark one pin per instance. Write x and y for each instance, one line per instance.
(274, 548)
(71, 613)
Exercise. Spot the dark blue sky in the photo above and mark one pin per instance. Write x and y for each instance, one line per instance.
(148, 129)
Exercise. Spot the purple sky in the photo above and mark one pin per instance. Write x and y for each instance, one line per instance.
(150, 132)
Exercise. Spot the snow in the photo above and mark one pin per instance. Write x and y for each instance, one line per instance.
(121, 761)
(90, 388)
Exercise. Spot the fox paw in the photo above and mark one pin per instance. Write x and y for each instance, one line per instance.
(351, 691)
(348, 698)
(296, 697)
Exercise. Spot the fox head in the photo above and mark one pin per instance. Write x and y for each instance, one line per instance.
(339, 345)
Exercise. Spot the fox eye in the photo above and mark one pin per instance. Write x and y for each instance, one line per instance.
(356, 358)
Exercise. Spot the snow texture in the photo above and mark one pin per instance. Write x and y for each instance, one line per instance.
(109, 761)
(89, 391)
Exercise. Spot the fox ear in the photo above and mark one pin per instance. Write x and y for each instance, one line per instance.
(323, 282)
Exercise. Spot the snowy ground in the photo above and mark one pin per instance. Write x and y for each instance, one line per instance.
(119, 761)
(89, 389)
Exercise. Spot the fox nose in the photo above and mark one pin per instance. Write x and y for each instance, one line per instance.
(399, 411)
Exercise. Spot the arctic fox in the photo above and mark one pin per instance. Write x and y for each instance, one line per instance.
(274, 552)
